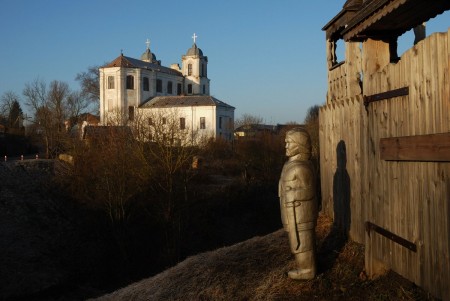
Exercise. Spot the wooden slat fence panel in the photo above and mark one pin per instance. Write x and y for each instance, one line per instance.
(407, 198)
(411, 199)
(341, 163)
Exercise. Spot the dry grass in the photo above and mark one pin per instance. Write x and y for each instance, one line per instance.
(256, 270)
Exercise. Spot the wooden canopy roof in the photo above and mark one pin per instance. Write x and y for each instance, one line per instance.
(381, 19)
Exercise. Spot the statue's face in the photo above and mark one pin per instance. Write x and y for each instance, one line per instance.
(292, 148)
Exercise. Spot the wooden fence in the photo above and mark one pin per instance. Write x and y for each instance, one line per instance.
(399, 208)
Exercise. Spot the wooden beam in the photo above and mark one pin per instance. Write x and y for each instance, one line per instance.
(388, 234)
(386, 95)
(430, 148)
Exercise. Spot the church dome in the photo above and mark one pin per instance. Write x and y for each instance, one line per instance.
(148, 56)
(194, 50)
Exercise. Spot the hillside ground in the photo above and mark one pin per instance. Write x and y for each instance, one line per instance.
(256, 270)
(54, 249)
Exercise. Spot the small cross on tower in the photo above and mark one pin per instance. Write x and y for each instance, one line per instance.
(194, 37)
(148, 43)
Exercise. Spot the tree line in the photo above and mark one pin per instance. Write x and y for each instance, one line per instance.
(154, 199)
(53, 108)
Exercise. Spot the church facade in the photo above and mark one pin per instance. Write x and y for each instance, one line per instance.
(131, 88)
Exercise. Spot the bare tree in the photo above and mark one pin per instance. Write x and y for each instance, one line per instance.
(10, 109)
(57, 103)
(76, 104)
(50, 109)
(109, 171)
(90, 83)
(35, 93)
(171, 146)
(247, 119)
(312, 126)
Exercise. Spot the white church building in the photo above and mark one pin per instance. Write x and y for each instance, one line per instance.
(135, 89)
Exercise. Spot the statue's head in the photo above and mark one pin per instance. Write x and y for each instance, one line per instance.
(298, 142)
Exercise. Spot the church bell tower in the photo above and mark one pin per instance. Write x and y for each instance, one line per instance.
(195, 71)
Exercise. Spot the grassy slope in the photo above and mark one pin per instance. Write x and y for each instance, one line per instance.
(256, 270)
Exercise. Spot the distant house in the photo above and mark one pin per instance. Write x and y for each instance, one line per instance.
(75, 126)
(92, 120)
(256, 131)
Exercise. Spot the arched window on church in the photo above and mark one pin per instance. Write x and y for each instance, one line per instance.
(189, 69)
(190, 89)
(178, 89)
(130, 82)
(110, 82)
(145, 83)
(169, 87)
(159, 85)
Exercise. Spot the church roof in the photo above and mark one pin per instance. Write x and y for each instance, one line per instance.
(184, 101)
(128, 62)
(194, 50)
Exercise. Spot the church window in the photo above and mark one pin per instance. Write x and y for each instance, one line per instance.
(131, 113)
(146, 85)
(178, 89)
(190, 89)
(189, 69)
(220, 122)
(204, 89)
(203, 70)
(159, 85)
(110, 82)
(182, 123)
(130, 82)
(202, 123)
(169, 87)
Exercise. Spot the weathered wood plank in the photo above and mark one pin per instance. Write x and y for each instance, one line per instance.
(432, 148)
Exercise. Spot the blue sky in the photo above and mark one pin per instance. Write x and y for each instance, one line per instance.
(266, 58)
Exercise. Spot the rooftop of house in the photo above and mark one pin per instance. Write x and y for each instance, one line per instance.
(128, 62)
(184, 101)
(105, 132)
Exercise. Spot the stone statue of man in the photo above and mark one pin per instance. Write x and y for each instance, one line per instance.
(298, 202)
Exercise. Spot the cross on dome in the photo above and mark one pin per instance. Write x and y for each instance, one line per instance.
(148, 43)
(194, 37)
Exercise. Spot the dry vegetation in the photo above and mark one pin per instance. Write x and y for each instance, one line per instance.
(110, 220)
(256, 270)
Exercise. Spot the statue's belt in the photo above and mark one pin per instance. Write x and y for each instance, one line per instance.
(305, 226)
(297, 203)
